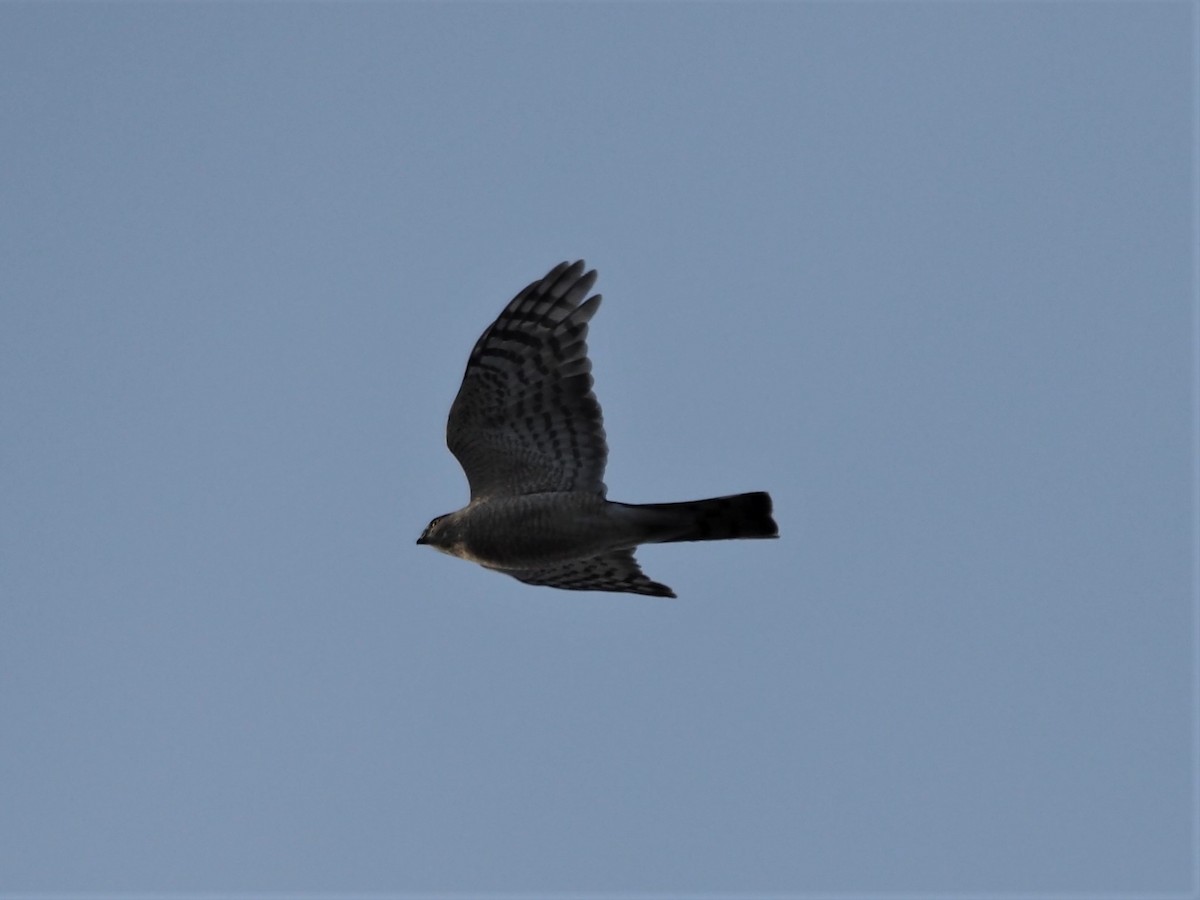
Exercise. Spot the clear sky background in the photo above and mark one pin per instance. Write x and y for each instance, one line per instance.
(923, 271)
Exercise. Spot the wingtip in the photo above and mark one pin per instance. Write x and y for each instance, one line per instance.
(576, 269)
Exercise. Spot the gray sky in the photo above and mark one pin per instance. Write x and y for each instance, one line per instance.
(923, 271)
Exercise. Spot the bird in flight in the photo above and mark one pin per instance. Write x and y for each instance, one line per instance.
(527, 430)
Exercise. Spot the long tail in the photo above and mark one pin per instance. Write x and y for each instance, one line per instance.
(718, 519)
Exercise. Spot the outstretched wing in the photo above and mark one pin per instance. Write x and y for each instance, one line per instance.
(615, 571)
(525, 419)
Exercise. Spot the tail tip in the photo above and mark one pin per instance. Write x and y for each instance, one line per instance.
(758, 520)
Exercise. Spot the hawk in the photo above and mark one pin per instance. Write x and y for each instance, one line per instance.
(527, 430)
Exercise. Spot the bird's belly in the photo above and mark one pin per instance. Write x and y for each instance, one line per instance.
(539, 530)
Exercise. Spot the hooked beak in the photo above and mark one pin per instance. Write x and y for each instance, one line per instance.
(421, 540)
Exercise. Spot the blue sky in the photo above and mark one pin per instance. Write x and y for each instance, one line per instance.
(923, 271)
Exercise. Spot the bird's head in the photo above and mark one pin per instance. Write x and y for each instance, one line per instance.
(442, 534)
